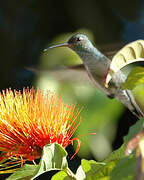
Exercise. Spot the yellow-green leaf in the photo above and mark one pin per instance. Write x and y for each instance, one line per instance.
(125, 169)
(135, 78)
(53, 158)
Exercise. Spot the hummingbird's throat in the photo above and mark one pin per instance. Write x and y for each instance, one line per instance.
(105, 76)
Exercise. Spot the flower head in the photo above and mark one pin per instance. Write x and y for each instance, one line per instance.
(29, 120)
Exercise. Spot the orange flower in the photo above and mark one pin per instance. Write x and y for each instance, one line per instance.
(30, 120)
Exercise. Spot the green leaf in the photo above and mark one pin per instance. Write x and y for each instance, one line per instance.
(125, 169)
(119, 153)
(96, 170)
(24, 173)
(53, 158)
(67, 174)
(61, 175)
(116, 155)
(135, 77)
(91, 166)
(134, 130)
(92, 170)
(101, 170)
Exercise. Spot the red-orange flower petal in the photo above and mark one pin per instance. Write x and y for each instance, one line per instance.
(30, 120)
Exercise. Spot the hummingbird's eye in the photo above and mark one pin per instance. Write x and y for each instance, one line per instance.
(75, 39)
(79, 38)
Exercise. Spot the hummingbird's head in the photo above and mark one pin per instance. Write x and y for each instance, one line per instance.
(78, 42)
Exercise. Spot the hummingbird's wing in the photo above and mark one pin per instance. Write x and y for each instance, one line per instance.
(132, 53)
(76, 74)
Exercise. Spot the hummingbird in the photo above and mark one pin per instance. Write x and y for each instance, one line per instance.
(97, 66)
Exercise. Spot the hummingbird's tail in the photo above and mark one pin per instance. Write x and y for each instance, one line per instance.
(136, 109)
(127, 98)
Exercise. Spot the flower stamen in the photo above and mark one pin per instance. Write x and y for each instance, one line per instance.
(29, 120)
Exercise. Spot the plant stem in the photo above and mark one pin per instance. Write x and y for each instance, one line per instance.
(70, 174)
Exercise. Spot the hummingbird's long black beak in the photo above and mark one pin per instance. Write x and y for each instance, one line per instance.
(66, 44)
